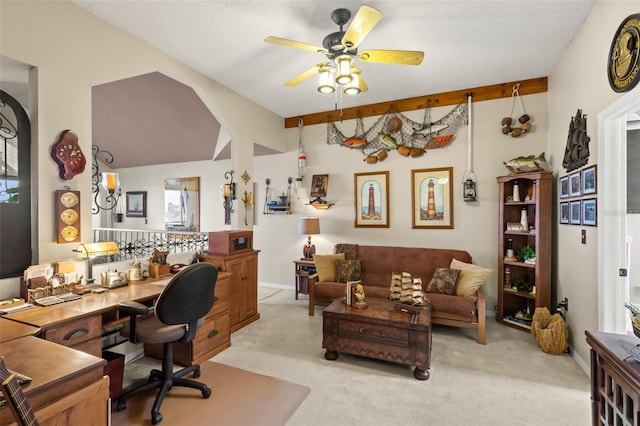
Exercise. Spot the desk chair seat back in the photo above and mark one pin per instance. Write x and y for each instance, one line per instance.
(188, 296)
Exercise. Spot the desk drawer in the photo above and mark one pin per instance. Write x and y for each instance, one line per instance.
(223, 287)
(75, 332)
(214, 333)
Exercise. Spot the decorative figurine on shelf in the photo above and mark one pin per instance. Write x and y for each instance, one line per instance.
(510, 256)
(358, 295)
(507, 278)
(524, 220)
(516, 192)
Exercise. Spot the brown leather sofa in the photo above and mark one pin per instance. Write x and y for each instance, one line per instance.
(378, 262)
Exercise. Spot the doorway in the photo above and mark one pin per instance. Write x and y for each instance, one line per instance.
(612, 199)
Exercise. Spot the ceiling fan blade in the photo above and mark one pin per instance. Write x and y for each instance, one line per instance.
(308, 73)
(364, 21)
(404, 57)
(296, 44)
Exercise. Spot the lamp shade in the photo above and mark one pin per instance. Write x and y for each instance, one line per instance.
(91, 250)
(308, 226)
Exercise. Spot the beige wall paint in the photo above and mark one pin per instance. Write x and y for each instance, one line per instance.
(579, 80)
(74, 50)
(85, 51)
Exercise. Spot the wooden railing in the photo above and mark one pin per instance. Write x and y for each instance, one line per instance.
(140, 243)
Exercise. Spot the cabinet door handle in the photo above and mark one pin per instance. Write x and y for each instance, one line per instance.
(212, 334)
(78, 332)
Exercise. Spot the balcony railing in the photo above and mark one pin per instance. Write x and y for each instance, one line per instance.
(138, 243)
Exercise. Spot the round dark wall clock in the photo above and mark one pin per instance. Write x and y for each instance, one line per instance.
(622, 68)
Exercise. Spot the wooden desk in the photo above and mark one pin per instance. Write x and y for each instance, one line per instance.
(79, 323)
(64, 380)
(10, 330)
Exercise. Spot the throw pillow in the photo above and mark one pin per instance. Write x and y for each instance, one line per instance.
(471, 278)
(326, 265)
(347, 270)
(350, 250)
(443, 281)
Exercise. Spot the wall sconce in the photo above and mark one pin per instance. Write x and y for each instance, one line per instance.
(109, 181)
(308, 226)
(229, 194)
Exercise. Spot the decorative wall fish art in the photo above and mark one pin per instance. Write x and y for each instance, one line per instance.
(396, 132)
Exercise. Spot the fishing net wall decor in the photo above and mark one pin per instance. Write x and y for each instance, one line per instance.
(396, 131)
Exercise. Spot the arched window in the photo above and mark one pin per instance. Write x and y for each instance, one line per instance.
(15, 187)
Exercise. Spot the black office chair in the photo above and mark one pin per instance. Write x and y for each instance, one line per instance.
(179, 312)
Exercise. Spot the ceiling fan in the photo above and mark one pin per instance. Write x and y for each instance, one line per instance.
(341, 47)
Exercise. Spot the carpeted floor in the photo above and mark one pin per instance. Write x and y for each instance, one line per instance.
(238, 398)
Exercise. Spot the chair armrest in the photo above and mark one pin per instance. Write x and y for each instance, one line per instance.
(130, 307)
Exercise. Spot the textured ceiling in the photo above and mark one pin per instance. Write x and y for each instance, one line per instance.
(466, 44)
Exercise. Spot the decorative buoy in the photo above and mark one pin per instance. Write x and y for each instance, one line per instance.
(525, 126)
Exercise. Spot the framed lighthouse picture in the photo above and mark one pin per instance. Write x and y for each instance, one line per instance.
(432, 198)
(372, 199)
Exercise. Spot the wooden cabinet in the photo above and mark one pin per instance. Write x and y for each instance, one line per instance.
(243, 295)
(214, 335)
(615, 380)
(525, 208)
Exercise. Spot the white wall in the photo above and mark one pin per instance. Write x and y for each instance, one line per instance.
(579, 80)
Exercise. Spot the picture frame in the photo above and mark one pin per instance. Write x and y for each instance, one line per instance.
(319, 185)
(590, 180)
(371, 199)
(590, 212)
(565, 212)
(575, 185)
(563, 186)
(575, 217)
(182, 204)
(136, 203)
(432, 198)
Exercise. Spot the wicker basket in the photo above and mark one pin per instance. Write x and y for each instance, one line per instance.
(550, 331)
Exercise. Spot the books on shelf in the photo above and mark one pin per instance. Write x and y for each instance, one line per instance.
(511, 319)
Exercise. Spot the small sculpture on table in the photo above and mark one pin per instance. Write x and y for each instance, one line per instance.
(358, 295)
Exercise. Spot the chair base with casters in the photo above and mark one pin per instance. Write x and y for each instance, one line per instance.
(179, 312)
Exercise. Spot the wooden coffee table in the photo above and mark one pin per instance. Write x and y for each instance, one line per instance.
(379, 332)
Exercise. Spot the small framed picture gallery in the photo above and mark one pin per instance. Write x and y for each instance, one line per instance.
(563, 186)
(564, 212)
(589, 180)
(590, 212)
(574, 212)
(575, 186)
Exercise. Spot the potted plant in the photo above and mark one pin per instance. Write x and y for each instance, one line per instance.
(527, 254)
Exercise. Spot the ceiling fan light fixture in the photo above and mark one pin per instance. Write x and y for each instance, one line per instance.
(353, 88)
(325, 84)
(343, 64)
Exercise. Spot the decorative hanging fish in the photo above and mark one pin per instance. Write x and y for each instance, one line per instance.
(389, 140)
(355, 142)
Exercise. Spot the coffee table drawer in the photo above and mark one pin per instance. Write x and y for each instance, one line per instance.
(368, 331)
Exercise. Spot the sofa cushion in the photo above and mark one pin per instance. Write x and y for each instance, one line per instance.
(350, 250)
(347, 270)
(326, 265)
(471, 278)
(443, 281)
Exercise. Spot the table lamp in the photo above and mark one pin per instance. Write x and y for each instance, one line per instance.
(90, 251)
(308, 226)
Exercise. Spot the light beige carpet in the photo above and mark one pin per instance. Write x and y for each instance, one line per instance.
(238, 398)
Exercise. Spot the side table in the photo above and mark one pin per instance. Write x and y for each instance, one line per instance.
(304, 269)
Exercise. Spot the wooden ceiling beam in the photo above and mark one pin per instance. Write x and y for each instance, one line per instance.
(483, 93)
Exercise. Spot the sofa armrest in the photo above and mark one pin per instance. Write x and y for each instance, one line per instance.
(481, 313)
(311, 281)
